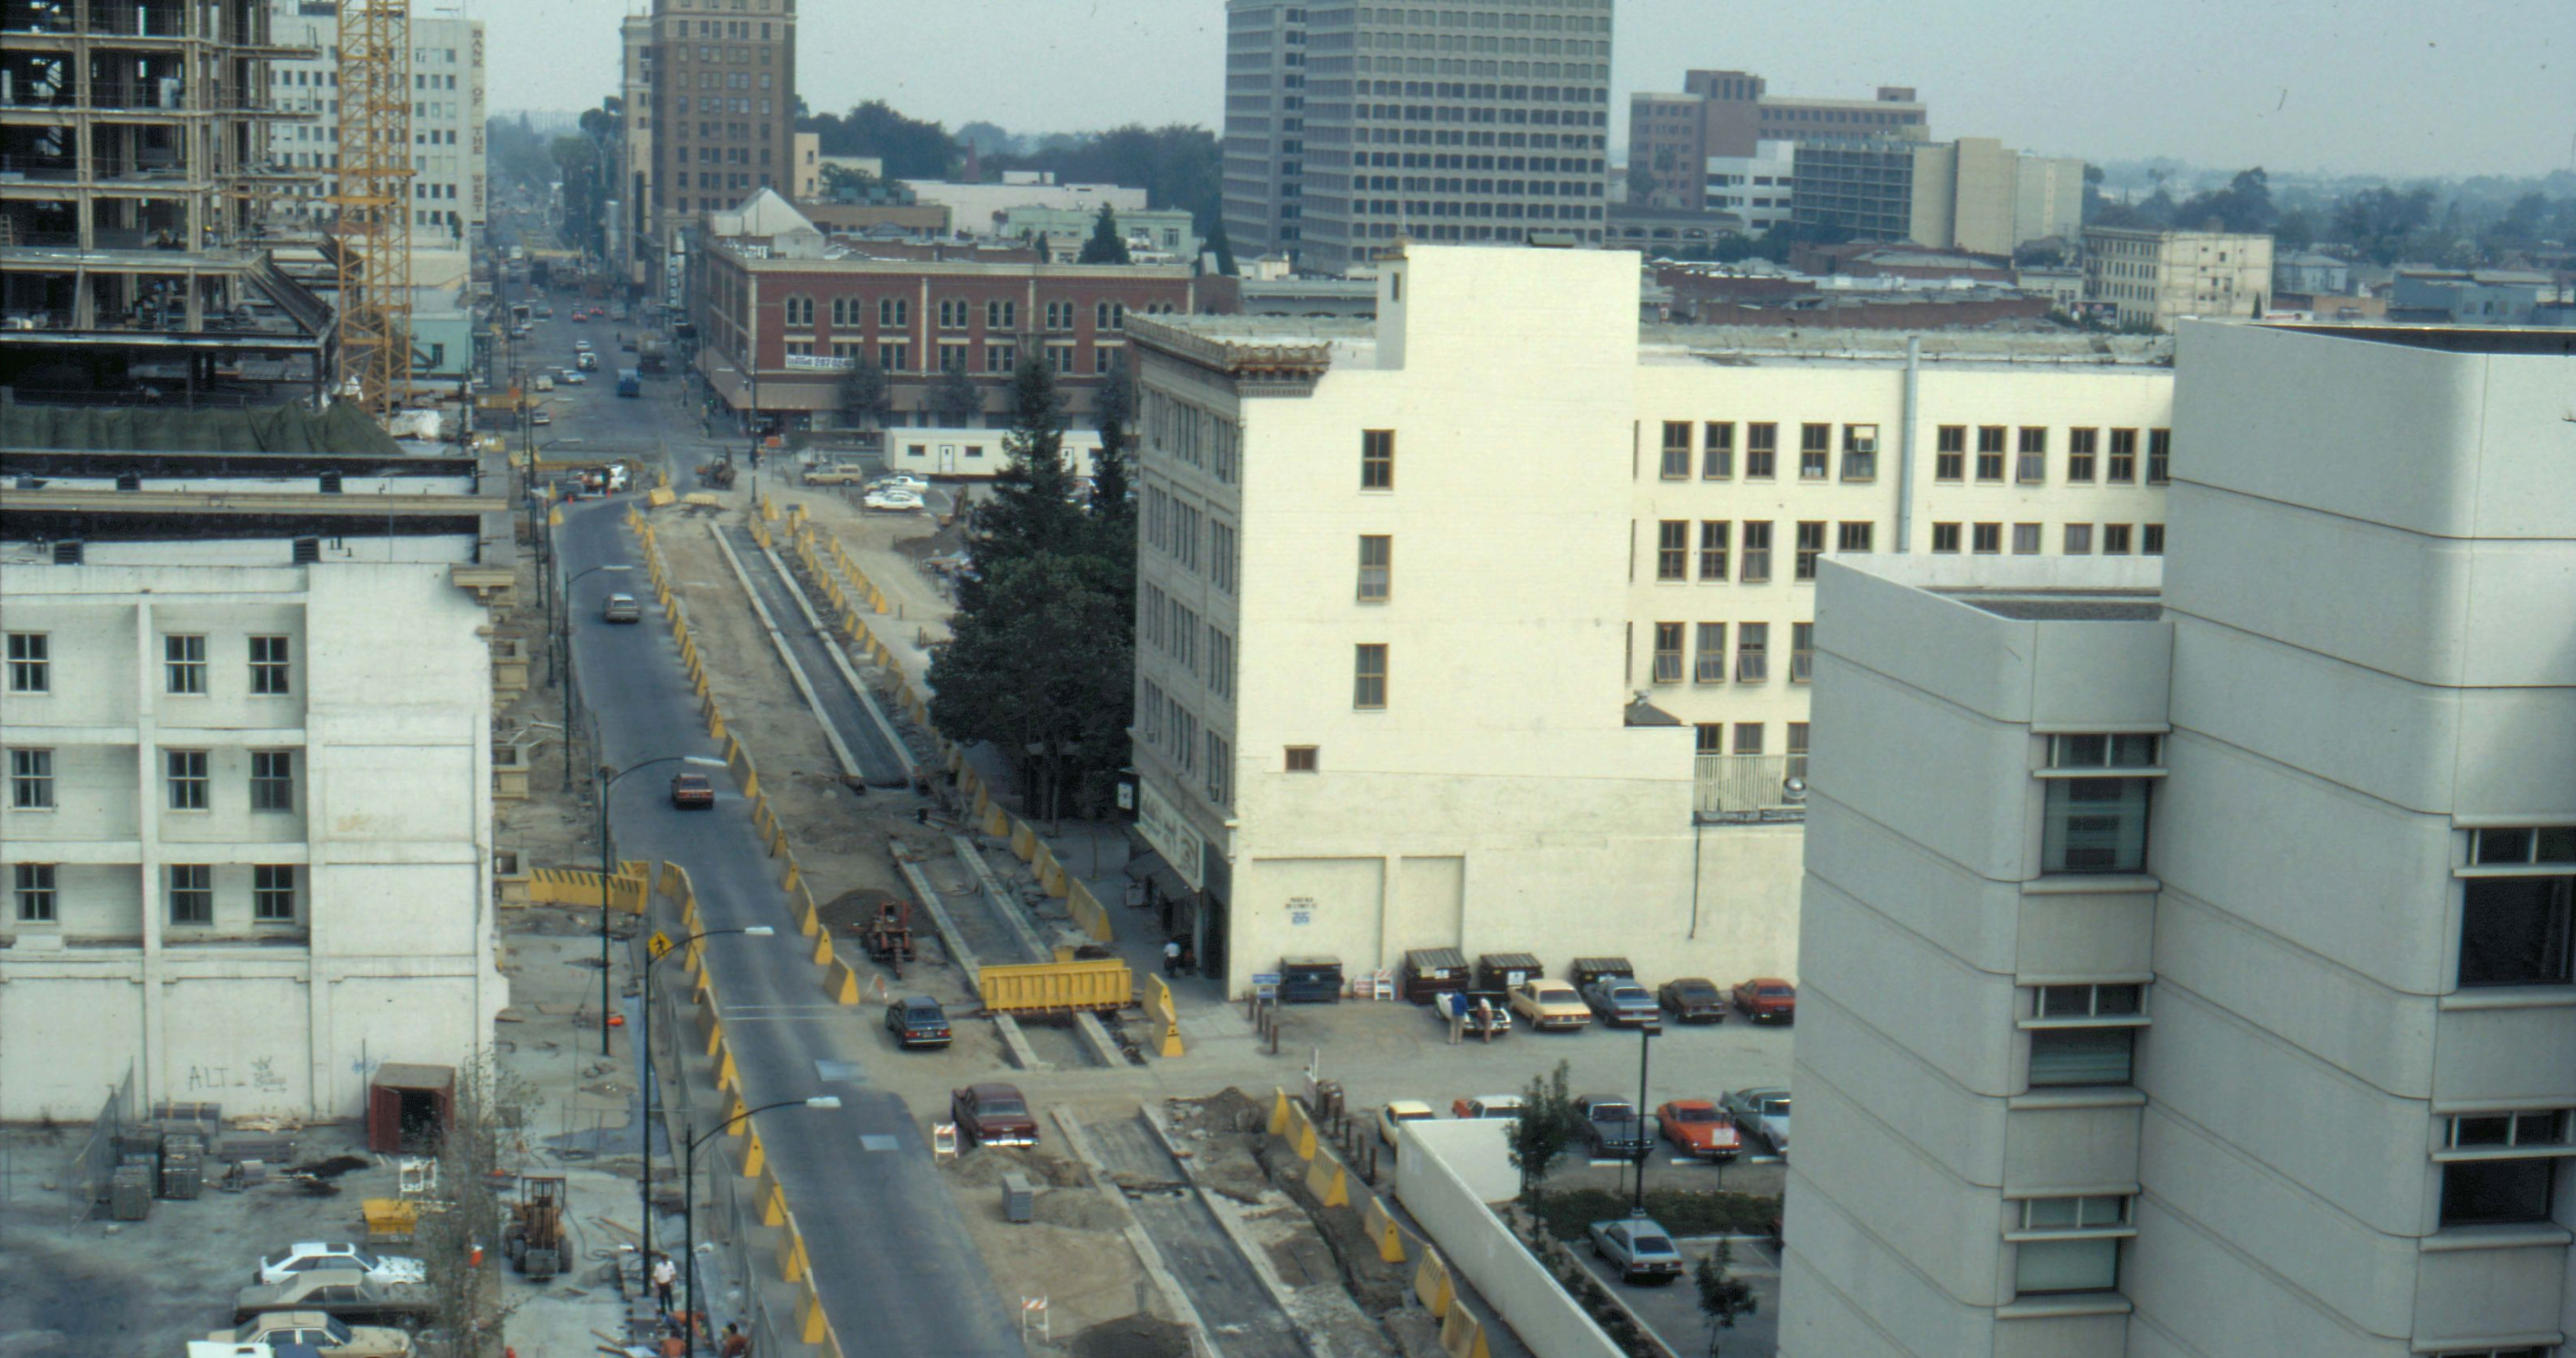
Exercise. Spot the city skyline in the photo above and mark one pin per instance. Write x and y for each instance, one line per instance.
(2292, 89)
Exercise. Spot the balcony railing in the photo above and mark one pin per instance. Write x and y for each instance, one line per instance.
(1751, 787)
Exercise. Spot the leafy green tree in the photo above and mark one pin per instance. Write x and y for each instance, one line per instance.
(1106, 246)
(864, 396)
(2384, 223)
(1544, 1132)
(1723, 1298)
(910, 148)
(955, 401)
(2245, 205)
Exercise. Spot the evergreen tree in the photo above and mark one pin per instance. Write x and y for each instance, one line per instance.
(1040, 666)
(1030, 511)
(864, 396)
(956, 402)
(1544, 1132)
(1113, 408)
(1106, 246)
(1223, 247)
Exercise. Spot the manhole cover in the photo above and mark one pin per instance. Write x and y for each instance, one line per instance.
(876, 1143)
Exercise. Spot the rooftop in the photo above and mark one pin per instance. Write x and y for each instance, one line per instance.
(2062, 605)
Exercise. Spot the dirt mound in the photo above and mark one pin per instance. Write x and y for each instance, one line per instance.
(1229, 1111)
(332, 1168)
(1080, 1209)
(984, 1166)
(1136, 1336)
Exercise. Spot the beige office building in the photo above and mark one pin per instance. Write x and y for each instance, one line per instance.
(2158, 277)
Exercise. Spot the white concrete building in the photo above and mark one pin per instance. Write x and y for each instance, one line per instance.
(448, 184)
(978, 209)
(1760, 188)
(2188, 972)
(2155, 278)
(247, 835)
(1459, 626)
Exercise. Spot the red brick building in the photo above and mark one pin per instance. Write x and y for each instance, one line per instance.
(807, 320)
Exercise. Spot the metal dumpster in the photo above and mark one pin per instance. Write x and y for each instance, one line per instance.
(1310, 980)
(1430, 972)
(1505, 970)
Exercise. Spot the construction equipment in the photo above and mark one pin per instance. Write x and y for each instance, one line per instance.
(373, 244)
(889, 935)
(534, 1239)
(717, 474)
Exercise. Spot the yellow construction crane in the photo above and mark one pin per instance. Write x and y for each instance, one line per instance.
(374, 203)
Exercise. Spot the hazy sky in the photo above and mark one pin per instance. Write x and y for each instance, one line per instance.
(2403, 87)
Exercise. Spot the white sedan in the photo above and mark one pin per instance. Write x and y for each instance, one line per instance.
(575, 378)
(305, 1256)
(892, 501)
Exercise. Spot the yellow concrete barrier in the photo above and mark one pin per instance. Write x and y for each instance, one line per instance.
(1279, 1106)
(1301, 1132)
(822, 950)
(755, 1153)
(1431, 1283)
(1088, 913)
(1329, 1182)
(791, 1256)
(842, 982)
(1024, 841)
(1158, 1002)
(1382, 1229)
(996, 822)
(660, 497)
(1462, 1335)
(810, 1324)
(726, 1075)
(627, 888)
(809, 919)
(1049, 871)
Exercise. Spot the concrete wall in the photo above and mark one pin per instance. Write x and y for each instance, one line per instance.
(1481, 1248)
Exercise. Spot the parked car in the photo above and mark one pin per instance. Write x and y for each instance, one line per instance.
(1485, 1013)
(892, 501)
(1767, 999)
(1550, 1004)
(991, 1115)
(899, 481)
(1697, 1129)
(1622, 1003)
(586, 361)
(917, 1021)
(621, 608)
(572, 378)
(1762, 1114)
(1398, 1112)
(690, 790)
(835, 474)
(1617, 1132)
(1642, 1251)
(541, 417)
(1692, 999)
(313, 1329)
(346, 1294)
(1487, 1106)
(305, 1256)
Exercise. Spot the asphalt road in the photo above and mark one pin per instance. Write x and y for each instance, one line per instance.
(890, 1254)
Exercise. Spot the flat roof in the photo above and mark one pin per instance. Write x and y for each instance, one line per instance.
(2542, 340)
(2063, 605)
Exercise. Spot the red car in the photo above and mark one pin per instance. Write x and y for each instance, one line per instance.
(1698, 1130)
(1767, 999)
(692, 790)
(991, 1115)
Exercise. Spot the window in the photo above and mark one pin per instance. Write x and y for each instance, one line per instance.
(187, 770)
(1059, 315)
(1797, 749)
(184, 664)
(1712, 550)
(1109, 316)
(893, 312)
(1761, 451)
(2523, 846)
(1717, 460)
(1860, 452)
(1945, 538)
(272, 780)
(1712, 654)
(1668, 653)
(1802, 652)
(1949, 452)
(2069, 1244)
(1752, 647)
(272, 894)
(1001, 315)
(893, 358)
(1748, 737)
(2115, 539)
(1756, 569)
(192, 893)
(2030, 465)
(31, 780)
(1301, 759)
(2087, 1055)
(1672, 549)
(2547, 1128)
(2079, 454)
(1854, 537)
(800, 311)
(2101, 1000)
(2025, 539)
(2159, 456)
(1377, 459)
(1377, 568)
(1001, 358)
(1711, 737)
(1988, 539)
(1677, 449)
(268, 666)
(952, 313)
(35, 888)
(1368, 676)
(1990, 452)
(30, 666)
(2079, 539)
(2516, 930)
(2487, 1191)
(2123, 469)
(1811, 544)
(1815, 443)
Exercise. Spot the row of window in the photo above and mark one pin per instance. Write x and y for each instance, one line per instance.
(955, 313)
(1201, 438)
(2021, 451)
(1752, 654)
(186, 780)
(1712, 741)
(183, 664)
(2077, 539)
(188, 888)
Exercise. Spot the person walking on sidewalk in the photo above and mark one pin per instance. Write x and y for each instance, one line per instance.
(1172, 957)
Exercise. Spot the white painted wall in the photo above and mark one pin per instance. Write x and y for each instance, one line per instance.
(1480, 1248)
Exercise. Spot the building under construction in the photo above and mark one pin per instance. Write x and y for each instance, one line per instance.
(135, 176)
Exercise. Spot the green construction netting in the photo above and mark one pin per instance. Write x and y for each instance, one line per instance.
(266, 429)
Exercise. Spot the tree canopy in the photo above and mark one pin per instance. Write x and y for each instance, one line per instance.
(1106, 246)
(910, 148)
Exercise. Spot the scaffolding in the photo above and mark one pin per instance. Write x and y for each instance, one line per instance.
(374, 203)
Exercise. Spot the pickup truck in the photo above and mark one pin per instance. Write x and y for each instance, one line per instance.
(1550, 1005)
(1617, 1132)
(1486, 1013)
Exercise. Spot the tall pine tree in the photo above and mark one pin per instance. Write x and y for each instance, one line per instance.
(1106, 245)
(1030, 510)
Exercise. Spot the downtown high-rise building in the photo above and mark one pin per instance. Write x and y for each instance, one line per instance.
(723, 105)
(1483, 122)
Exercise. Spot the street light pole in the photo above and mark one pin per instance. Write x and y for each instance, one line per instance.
(1645, 1148)
(564, 640)
(689, 1197)
(644, 1120)
(608, 779)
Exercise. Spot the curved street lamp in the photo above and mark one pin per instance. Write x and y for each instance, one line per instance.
(608, 780)
(644, 1118)
(689, 1198)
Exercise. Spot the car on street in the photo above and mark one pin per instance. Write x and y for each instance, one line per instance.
(581, 346)
(1642, 1251)
(543, 382)
(334, 1338)
(1622, 1003)
(991, 1115)
(1487, 1106)
(586, 361)
(627, 343)
(305, 1256)
(835, 474)
(1399, 1112)
(1699, 1130)
(1692, 999)
(345, 1294)
(892, 501)
(917, 1021)
(1761, 1114)
(692, 790)
(541, 417)
(1767, 999)
(621, 608)
(1549, 1004)
(1612, 1123)
(574, 378)
(580, 317)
